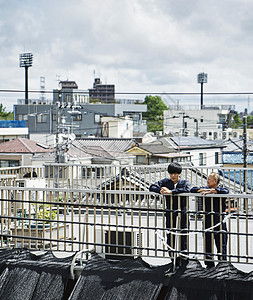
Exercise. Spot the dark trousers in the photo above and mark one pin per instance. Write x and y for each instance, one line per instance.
(171, 222)
(219, 238)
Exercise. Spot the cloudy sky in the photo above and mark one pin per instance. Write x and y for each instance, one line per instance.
(149, 46)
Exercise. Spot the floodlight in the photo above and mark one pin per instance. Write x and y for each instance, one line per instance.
(25, 60)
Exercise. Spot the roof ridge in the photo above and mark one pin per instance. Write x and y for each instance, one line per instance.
(24, 144)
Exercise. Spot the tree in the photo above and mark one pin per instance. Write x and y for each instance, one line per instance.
(250, 121)
(154, 114)
(237, 122)
(5, 115)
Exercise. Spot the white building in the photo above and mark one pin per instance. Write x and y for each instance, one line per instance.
(117, 127)
(11, 130)
(209, 122)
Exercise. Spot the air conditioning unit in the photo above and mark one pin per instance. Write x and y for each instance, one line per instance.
(117, 242)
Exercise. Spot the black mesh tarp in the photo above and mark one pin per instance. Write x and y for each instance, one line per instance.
(126, 279)
(7, 254)
(28, 276)
(223, 282)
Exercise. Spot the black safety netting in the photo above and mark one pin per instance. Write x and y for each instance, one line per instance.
(29, 276)
(26, 275)
(125, 279)
(223, 282)
(8, 254)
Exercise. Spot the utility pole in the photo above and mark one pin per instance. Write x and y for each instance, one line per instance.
(57, 154)
(197, 127)
(245, 152)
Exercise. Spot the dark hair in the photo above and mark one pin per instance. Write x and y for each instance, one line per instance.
(174, 168)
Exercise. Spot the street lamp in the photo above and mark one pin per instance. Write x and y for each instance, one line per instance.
(25, 61)
(202, 78)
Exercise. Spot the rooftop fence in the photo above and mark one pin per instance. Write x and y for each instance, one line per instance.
(118, 222)
(122, 177)
(119, 217)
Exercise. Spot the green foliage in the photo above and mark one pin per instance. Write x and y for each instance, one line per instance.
(44, 212)
(154, 114)
(5, 115)
(250, 121)
(237, 122)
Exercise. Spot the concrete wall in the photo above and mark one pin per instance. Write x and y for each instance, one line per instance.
(42, 118)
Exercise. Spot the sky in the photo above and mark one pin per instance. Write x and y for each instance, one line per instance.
(141, 46)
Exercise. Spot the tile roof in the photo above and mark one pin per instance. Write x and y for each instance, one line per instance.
(23, 145)
(106, 150)
(192, 141)
(156, 148)
(236, 145)
(120, 145)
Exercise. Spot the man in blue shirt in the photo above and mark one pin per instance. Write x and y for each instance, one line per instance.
(176, 206)
(214, 207)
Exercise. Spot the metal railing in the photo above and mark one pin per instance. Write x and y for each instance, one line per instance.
(122, 177)
(117, 223)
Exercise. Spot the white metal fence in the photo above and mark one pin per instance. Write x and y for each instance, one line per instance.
(114, 222)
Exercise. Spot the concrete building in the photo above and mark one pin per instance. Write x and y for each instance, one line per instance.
(210, 122)
(104, 93)
(70, 112)
(68, 93)
(19, 152)
(115, 127)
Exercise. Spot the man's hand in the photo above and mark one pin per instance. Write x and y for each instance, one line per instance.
(207, 191)
(165, 190)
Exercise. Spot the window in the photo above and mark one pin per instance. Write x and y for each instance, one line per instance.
(22, 117)
(77, 117)
(69, 98)
(9, 163)
(141, 159)
(162, 160)
(202, 159)
(94, 172)
(42, 118)
(217, 158)
(97, 118)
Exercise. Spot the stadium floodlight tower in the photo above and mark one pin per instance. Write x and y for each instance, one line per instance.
(26, 61)
(202, 78)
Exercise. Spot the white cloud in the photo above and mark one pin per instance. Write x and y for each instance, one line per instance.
(139, 45)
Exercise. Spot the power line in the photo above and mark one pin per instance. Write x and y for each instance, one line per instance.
(133, 93)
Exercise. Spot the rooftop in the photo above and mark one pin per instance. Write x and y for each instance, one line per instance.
(23, 145)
